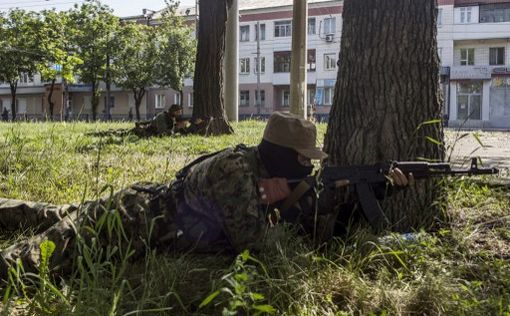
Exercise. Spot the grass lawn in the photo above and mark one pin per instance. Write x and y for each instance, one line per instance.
(461, 269)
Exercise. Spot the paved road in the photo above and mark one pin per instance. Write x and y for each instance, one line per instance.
(495, 150)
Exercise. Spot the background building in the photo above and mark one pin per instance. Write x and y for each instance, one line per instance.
(473, 46)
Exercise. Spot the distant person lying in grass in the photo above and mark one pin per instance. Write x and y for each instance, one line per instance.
(222, 202)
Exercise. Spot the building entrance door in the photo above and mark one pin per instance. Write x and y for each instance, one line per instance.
(469, 100)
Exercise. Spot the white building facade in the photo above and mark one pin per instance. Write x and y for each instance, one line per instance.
(473, 46)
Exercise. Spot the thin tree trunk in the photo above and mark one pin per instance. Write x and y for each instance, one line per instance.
(14, 87)
(138, 95)
(95, 100)
(208, 79)
(388, 84)
(50, 96)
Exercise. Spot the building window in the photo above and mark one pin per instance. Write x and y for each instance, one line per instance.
(244, 33)
(466, 14)
(244, 98)
(190, 99)
(500, 98)
(311, 60)
(282, 62)
(329, 26)
(177, 98)
(261, 66)
(494, 13)
(467, 56)
(311, 26)
(25, 78)
(329, 61)
(159, 101)
(440, 54)
(286, 98)
(469, 100)
(245, 65)
(262, 32)
(112, 101)
(311, 96)
(440, 17)
(262, 97)
(283, 28)
(496, 56)
(328, 95)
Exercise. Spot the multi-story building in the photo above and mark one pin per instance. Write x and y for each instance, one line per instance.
(473, 46)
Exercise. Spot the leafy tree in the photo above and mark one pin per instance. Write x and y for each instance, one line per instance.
(148, 56)
(59, 59)
(387, 101)
(95, 29)
(20, 40)
(176, 50)
(134, 68)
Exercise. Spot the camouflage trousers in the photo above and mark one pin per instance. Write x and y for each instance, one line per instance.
(140, 217)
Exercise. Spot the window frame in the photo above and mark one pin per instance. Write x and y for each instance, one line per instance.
(244, 65)
(498, 56)
(263, 33)
(159, 101)
(244, 30)
(466, 61)
(262, 65)
(244, 95)
(326, 56)
(286, 25)
(331, 25)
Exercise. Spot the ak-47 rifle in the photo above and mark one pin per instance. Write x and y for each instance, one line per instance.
(364, 178)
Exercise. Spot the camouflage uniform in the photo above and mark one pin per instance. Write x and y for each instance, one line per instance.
(160, 125)
(212, 206)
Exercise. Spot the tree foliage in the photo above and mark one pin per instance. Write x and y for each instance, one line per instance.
(20, 54)
(60, 57)
(95, 29)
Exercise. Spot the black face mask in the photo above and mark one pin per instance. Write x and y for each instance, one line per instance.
(282, 162)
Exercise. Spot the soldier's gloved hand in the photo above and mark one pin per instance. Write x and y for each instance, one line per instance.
(399, 179)
(273, 190)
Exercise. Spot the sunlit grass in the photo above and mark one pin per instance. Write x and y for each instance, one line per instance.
(462, 269)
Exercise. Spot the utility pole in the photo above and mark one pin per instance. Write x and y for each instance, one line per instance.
(299, 58)
(231, 62)
(258, 69)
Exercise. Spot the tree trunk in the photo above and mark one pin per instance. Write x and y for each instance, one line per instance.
(208, 79)
(95, 101)
(51, 105)
(388, 84)
(138, 95)
(14, 87)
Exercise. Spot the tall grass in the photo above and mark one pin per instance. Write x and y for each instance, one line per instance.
(462, 269)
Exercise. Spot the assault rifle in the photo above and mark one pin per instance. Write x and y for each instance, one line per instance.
(365, 177)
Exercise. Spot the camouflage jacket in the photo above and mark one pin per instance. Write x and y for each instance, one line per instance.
(218, 202)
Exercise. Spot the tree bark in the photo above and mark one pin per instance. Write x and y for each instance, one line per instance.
(388, 85)
(51, 105)
(208, 79)
(138, 95)
(95, 101)
(14, 87)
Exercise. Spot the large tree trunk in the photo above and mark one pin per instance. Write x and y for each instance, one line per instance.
(208, 79)
(14, 87)
(388, 84)
(51, 105)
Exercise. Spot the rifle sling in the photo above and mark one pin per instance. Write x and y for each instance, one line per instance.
(294, 196)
